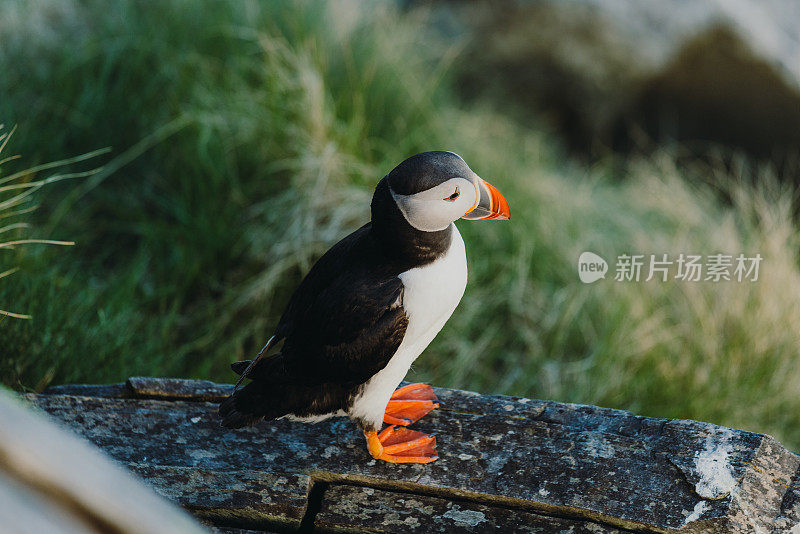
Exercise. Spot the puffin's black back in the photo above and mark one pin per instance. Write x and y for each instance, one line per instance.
(345, 320)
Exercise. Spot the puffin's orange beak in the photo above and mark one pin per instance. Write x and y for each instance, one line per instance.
(491, 204)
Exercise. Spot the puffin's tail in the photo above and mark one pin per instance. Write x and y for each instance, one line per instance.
(235, 411)
(232, 417)
(252, 403)
(241, 367)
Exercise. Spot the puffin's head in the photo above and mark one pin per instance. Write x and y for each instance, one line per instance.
(433, 189)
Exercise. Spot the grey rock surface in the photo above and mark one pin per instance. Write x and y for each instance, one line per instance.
(505, 463)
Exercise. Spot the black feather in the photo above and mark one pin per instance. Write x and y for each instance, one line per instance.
(240, 367)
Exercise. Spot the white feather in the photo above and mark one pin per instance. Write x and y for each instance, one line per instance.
(431, 294)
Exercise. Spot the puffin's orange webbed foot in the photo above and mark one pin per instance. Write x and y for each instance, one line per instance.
(409, 404)
(400, 445)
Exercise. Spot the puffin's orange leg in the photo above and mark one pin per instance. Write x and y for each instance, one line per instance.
(409, 404)
(401, 445)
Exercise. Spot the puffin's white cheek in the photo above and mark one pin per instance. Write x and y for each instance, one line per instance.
(460, 207)
(434, 209)
(468, 201)
(429, 216)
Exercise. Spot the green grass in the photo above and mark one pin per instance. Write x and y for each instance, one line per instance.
(246, 139)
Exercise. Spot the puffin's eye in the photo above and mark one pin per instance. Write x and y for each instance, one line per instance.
(454, 196)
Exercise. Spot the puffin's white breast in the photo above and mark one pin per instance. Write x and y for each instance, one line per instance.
(430, 295)
(432, 292)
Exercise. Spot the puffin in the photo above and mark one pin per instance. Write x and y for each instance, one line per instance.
(368, 308)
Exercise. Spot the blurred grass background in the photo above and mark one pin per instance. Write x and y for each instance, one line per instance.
(246, 139)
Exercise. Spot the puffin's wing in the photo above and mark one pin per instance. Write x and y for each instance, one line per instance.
(350, 332)
(344, 322)
(342, 325)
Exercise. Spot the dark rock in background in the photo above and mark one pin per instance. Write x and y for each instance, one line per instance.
(624, 75)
